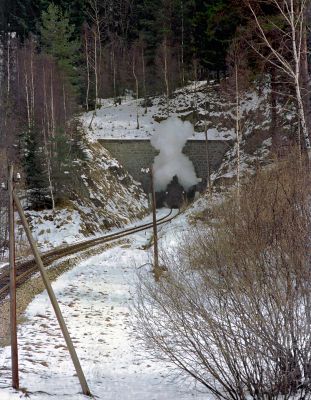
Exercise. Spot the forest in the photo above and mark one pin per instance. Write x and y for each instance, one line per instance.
(62, 57)
(227, 302)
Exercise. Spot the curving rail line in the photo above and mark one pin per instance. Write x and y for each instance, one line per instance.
(26, 269)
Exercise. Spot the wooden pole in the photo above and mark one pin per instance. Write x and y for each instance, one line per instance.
(13, 324)
(208, 180)
(208, 183)
(155, 229)
(47, 284)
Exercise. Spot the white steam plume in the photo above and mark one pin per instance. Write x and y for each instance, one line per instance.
(170, 137)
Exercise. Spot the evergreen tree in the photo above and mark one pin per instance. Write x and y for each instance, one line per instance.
(62, 166)
(57, 38)
(213, 25)
(34, 164)
(75, 11)
(65, 169)
(23, 15)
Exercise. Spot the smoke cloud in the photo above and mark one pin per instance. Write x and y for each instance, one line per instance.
(170, 137)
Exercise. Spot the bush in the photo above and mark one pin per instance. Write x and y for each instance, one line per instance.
(233, 312)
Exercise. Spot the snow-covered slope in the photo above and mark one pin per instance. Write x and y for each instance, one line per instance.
(107, 197)
(201, 103)
(120, 121)
(96, 296)
(96, 299)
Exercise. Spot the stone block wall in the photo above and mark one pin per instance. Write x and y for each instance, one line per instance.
(139, 153)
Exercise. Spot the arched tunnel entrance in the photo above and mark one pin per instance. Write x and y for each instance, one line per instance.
(138, 154)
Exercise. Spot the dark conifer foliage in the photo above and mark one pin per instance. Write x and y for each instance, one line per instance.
(64, 55)
(208, 25)
(61, 54)
(214, 26)
(23, 16)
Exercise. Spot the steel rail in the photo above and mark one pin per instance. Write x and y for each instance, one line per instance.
(26, 269)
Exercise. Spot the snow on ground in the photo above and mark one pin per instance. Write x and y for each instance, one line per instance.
(50, 230)
(106, 197)
(95, 298)
(2, 265)
(119, 121)
(248, 162)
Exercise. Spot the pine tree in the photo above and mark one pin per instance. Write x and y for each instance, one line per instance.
(57, 38)
(213, 25)
(34, 167)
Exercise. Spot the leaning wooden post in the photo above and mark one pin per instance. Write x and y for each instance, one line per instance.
(47, 284)
(155, 229)
(13, 323)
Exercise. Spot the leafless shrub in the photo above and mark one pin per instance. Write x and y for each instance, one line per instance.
(234, 310)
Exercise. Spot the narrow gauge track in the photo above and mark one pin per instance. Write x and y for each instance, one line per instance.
(26, 269)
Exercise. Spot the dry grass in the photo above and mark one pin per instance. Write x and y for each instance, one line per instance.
(233, 312)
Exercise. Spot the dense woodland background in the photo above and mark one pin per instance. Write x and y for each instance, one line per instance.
(60, 58)
(231, 307)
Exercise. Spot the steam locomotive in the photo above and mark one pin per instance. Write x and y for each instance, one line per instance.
(175, 195)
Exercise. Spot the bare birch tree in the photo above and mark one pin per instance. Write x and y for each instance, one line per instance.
(238, 75)
(165, 65)
(91, 45)
(95, 15)
(289, 58)
(142, 46)
(87, 63)
(134, 59)
(46, 133)
(182, 45)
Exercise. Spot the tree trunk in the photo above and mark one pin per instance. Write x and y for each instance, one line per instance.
(113, 61)
(47, 153)
(238, 138)
(32, 81)
(95, 69)
(137, 93)
(274, 130)
(182, 44)
(166, 77)
(8, 64)
(87, 70)
(301, 111)
(305, 79)
(65, 110)
(144, 76)
(52, 104)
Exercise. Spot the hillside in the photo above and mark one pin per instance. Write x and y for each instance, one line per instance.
(203, 104)
(107, 198)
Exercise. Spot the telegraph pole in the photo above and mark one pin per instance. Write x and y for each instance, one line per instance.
(155, 229)
(13, 323)
(208, 180)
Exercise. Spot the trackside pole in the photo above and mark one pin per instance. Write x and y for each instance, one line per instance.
(155, 228)
(13, 324)
(47, 284)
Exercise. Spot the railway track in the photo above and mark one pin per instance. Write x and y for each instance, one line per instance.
(24, 270)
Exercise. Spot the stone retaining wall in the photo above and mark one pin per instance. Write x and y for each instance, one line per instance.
(139, 153)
